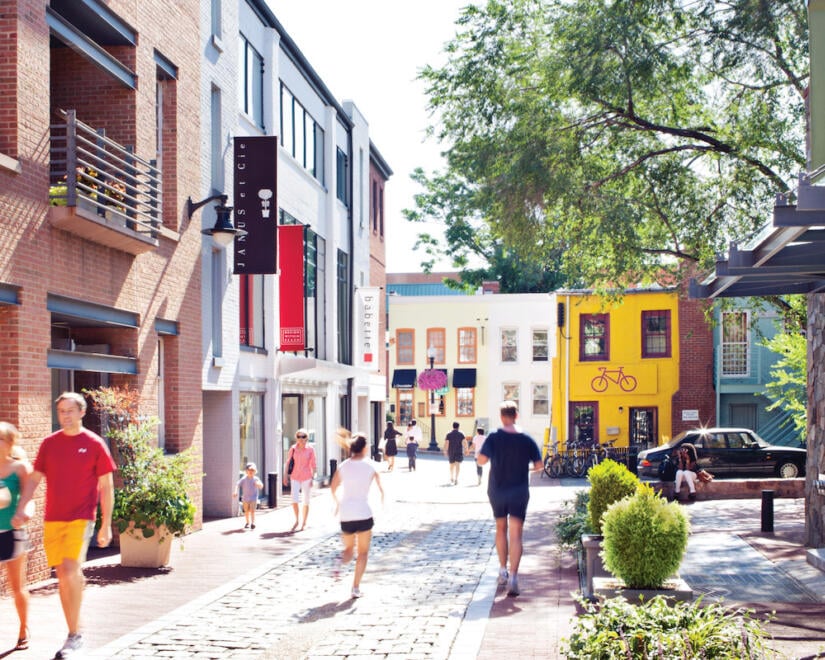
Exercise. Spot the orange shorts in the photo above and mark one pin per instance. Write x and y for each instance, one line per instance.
(67, 540)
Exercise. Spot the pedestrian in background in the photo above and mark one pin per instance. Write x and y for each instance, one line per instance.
(302, 459)
(355, 476)
(511, 454)
(454, 449)
(391, 445)
(412, 452)
(686, 469)
(14, 543)
(414, 432)
(475, 446)
(78, 470)
(249, 486)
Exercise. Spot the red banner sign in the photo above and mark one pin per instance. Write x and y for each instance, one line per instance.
(291, 287)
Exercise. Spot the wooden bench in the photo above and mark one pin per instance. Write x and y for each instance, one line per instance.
(737, 489)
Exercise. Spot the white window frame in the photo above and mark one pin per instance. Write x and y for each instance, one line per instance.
(734, 344)
(509, 343)
(536, 344)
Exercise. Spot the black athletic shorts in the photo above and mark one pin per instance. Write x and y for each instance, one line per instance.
(508, 503)
(354, 526)
(13, 543)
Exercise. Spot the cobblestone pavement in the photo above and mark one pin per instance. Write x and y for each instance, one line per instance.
(431, 548)
(429, 589)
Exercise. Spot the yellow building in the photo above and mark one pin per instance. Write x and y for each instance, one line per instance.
(616, 368)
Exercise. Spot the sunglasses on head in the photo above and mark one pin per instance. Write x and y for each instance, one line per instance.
(301, 436)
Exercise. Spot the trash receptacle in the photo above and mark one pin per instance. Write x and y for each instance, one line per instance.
(272, 488)
(379, 456)
(333, 466)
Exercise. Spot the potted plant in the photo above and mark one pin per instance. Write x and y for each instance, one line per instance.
(645, 538)
(152, 503)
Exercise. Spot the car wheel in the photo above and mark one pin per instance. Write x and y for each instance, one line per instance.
(787, 470)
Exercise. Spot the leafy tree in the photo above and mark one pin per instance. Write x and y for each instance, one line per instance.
(627, 141)
(789, 389)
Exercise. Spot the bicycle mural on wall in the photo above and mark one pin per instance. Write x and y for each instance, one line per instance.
(617, 376)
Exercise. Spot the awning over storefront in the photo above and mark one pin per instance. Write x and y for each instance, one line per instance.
(404, 379)
(464, 377)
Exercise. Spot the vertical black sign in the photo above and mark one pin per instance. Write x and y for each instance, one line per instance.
(256, 203)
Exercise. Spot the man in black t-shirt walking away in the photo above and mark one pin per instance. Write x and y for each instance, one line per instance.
(454, 450)
(512, 455)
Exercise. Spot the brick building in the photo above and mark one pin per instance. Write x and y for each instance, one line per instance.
(100, 274)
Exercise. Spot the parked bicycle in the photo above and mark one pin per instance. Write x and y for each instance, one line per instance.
(571, 462)
(599, 452)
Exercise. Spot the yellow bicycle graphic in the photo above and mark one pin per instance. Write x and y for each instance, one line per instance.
(625, 381)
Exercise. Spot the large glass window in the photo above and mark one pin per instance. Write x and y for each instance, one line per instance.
(251, 82)
(405, 407)
(594, 337)
(301, 136)
(656, 333)
(541, 399)
(509, 345)
(251, 310)
(342, 176)
(467, 345)
(252, 429)
(465, 402)
(735, 344)
(435, 339)
(405, 346)
(540, 352)
(511, 392)
(583, 421)
(344, 309)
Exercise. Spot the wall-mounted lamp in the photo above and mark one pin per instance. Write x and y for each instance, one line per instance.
(223, 233)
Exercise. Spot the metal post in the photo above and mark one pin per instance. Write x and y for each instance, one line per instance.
(767, 511)
(433, 444)
(272, 489)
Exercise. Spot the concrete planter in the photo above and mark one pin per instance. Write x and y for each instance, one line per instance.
(593, 565)
(674, 589)
(139, 552)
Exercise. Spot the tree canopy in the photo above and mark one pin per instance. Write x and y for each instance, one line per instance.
(617, 141)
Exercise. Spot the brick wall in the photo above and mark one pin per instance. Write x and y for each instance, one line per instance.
(696, 384)
(163, 283)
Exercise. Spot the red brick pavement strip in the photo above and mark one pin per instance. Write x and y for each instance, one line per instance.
(533, 624)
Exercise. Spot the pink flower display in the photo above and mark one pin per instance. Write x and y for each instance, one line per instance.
(432, 379)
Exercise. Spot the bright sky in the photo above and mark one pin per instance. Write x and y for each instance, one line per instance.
(370, 52)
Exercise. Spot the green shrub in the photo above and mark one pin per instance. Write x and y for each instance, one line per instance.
(655, 629)
(645, 538)
(609, 482)
(574, 520)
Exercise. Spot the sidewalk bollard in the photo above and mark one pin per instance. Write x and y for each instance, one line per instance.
(272, 489)
(767, 511)
(333, 465)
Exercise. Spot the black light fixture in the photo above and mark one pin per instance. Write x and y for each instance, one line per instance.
(223, 233)
(431, 353)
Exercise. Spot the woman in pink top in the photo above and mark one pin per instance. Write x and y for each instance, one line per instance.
(302, 459)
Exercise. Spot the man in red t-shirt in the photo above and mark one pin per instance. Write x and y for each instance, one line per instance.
(78, 469)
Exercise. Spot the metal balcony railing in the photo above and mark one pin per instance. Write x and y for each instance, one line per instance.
(90, 171)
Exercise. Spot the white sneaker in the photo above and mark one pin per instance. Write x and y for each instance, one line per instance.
(512, 586)
(356, 592)
(74, 642)
(502, 576)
